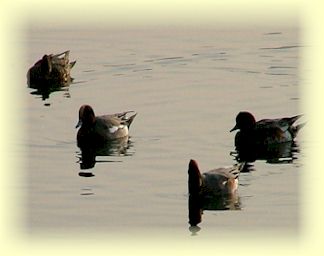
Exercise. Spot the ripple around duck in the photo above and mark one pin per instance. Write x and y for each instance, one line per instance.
(231, 69)
(272, 33)
(253, 72)
(119, 65)
(217, 59)
(280, 47)
(278, 74)
(79, 82)
(281, 67)
(281, 70)
(142, 69)
(266, 87)
(118, 74)
(165, 59)
(170, 58)
(266, 56)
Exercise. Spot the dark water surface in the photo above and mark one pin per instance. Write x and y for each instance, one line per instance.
(187, 86)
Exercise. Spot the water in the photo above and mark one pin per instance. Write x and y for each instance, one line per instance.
(187, 86)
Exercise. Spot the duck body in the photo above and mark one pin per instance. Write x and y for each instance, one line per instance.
(51, 71)
(96, 130)
(217, 182)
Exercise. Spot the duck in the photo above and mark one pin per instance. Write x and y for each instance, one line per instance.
(265, 132)
(221, 181)
(51, 70)
(95, 130)
(212, 190)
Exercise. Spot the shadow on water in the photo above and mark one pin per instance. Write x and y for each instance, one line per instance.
(273, 154)
(87, 156)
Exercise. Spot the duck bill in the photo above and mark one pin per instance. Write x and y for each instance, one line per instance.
(234, 128)
(78, 124)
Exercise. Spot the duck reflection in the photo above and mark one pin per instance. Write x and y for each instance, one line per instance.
(212, 190)
(275, 153)
(45, 92)
(118, 147)
(198, 204)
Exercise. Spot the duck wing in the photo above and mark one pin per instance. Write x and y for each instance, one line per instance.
(217, 179)
(124, 118)
(283, 123)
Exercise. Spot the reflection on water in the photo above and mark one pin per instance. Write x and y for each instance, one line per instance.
(86, 174)
(86, 192)
(198, 203)
(119, 147)
(230, 202)
(45, 91)
(194, 230)
(277, 153)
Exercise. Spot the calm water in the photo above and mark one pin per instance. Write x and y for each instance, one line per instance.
(187, 86)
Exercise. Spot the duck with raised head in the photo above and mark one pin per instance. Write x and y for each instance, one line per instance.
(265, 132)
(96, 130)
(51, 70)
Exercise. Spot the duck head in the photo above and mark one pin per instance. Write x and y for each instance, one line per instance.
(195, 179)
(46, 65)
(86, 116)
(244, 121)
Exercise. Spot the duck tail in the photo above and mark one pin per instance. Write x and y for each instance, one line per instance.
(66, 54)
(130, 119)
(71, 64)
(295, 129)
(123, 116)
(293, 119)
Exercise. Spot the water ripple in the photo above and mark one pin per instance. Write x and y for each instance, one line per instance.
(164, 59)
(273, 33)
(119, 65)
(278, 74)
(280, 47)
(281, 67)
(142, 69)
